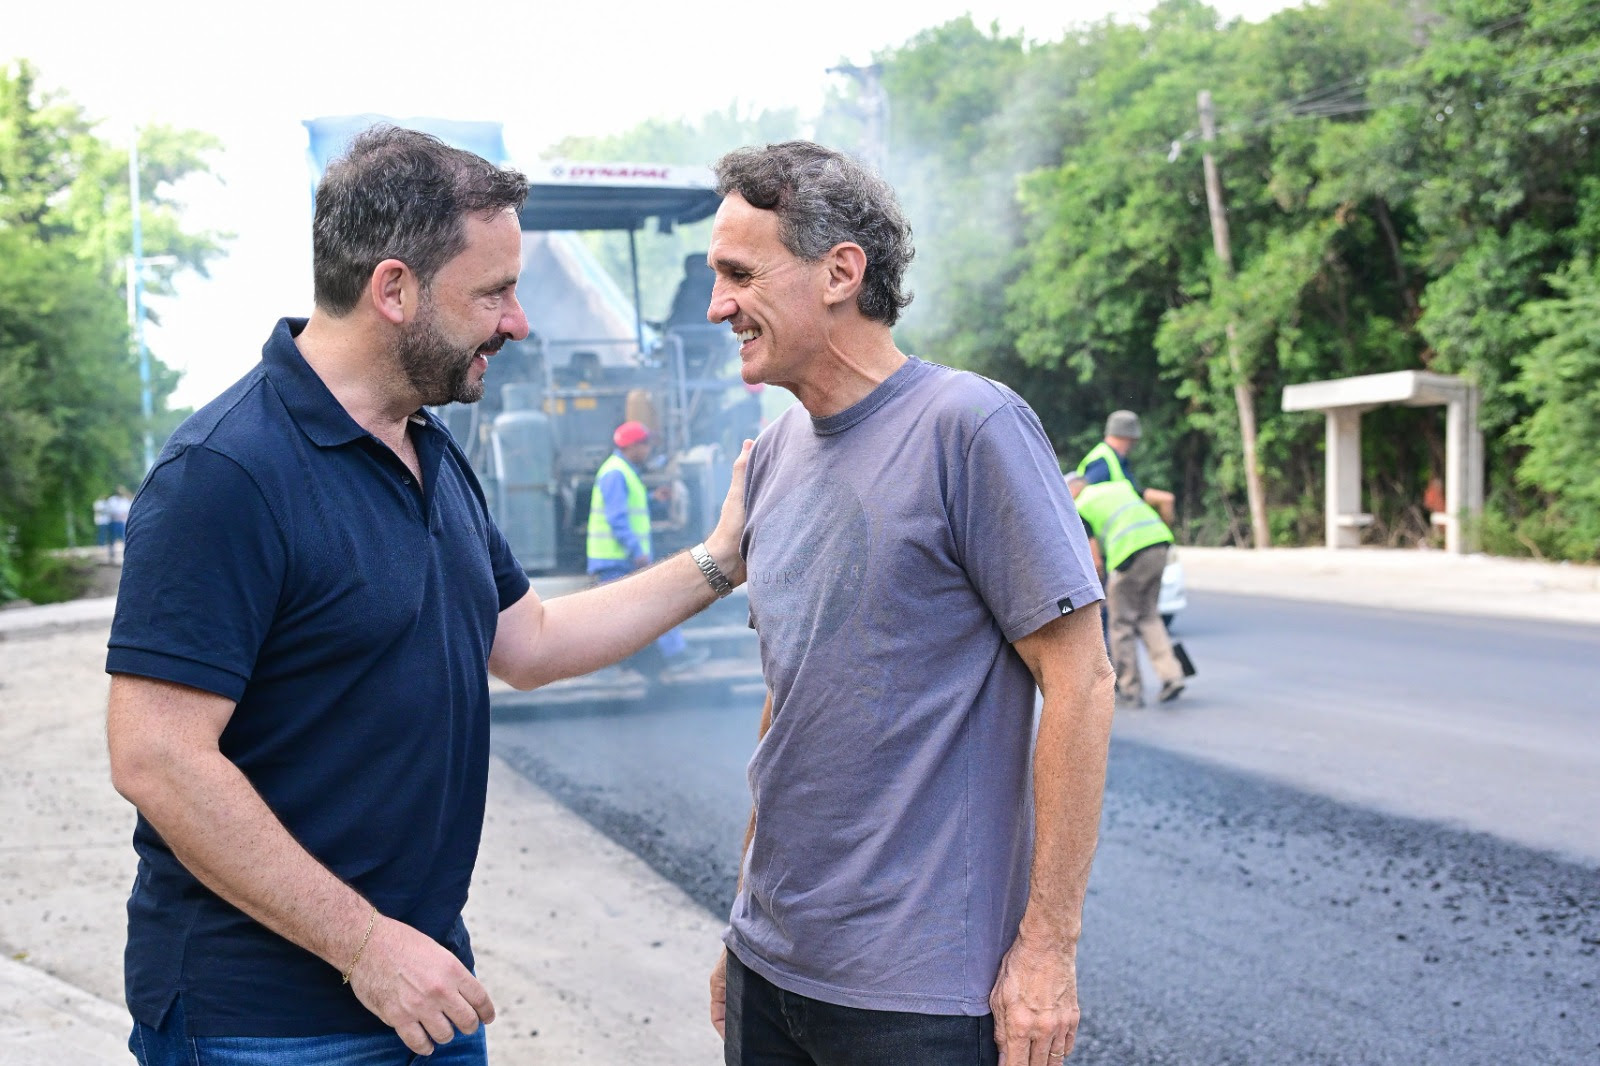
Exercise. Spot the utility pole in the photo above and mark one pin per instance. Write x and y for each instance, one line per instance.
(136, 308)
(1243, 390)
(135, 281)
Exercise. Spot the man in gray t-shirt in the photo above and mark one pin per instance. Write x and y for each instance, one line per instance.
(913, 885)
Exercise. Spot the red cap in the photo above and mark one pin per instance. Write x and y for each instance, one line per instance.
(629, 434)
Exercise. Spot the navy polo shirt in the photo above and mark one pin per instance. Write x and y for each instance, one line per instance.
(281, 556)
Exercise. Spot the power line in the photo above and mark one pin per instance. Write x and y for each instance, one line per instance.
(1355, 81)
(1327, 101)
(1346, 97)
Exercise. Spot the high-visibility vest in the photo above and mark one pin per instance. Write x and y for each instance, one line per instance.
(1109, 454)
(1121, 520)
(603, 544)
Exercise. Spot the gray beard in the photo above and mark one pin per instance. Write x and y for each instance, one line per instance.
(436, 370)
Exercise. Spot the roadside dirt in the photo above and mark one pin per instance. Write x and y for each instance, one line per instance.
(589, 955)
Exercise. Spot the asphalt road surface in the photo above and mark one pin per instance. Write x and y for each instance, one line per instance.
(1257, 915)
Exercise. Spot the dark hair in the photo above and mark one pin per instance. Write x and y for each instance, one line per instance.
(399, 194)
(824, 198)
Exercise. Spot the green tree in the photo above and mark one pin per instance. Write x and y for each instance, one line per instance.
(1409, 185)
(1492, 119)
(70, 419)
(1560, 378)
(958, 138)
(1402, 182)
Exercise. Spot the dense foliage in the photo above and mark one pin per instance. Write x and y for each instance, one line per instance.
(70, 420)
(1410, 186)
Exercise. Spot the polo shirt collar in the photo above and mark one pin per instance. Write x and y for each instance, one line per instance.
(312, 406)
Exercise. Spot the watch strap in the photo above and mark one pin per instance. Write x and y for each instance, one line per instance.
(713, 573)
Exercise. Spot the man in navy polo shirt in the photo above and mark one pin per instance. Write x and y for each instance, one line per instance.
(313, 591)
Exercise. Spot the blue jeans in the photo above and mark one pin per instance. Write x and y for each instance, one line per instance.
(171, 1045)
(769, 1026)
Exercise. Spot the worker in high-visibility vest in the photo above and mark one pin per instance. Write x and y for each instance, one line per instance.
(619, 525)
(1108, 461)
(619, 507)
(1133, 541)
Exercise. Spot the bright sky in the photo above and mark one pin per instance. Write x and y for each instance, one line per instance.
(250, 73)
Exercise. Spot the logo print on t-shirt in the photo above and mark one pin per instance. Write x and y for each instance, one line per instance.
(808, 572)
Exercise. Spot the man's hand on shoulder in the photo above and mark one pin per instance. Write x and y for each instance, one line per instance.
(1035, 1003)
(723, 541)
(418, 988)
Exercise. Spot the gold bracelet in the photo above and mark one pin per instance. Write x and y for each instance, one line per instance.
(371, 919)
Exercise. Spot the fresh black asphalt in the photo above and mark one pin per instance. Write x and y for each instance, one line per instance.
(1230, 919)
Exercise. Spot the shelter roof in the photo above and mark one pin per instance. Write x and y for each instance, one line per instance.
(1414, 388)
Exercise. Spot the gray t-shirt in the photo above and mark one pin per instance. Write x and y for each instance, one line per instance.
(894, 551)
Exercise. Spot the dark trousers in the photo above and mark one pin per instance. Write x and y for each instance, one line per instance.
(1134, 598)
(769, 1026)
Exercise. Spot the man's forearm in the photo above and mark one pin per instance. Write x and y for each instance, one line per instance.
(1163, 501)
(163, 741)
(586, 630)
(218, 826)
(539, 642)
(1069, 781)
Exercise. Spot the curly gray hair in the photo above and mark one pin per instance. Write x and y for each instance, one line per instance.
(824, 198)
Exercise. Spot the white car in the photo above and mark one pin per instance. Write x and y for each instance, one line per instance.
(1172, 598)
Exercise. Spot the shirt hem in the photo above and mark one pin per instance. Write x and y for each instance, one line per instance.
(904, 1002)
(142, 662)
(1080, 597)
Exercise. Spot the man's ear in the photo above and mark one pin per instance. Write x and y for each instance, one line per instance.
(394, 291)
(847, 269)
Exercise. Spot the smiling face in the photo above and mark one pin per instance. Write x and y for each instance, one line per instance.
(772, 299)
(466, 313)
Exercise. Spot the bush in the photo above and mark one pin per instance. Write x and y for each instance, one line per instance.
(1539, 535)
(1561, 378)
(10, 577)
(53, 579)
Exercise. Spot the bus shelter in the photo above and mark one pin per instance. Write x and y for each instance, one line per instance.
(1344, 400)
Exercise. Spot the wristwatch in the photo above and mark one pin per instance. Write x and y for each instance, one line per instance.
(708, 566)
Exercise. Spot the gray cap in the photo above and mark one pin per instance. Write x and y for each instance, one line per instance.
(1123, 424)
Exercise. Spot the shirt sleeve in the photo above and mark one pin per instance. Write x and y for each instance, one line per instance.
(510, 579)
(614, 495)
(1021, 540)
(1097, 471)
(202, 576)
